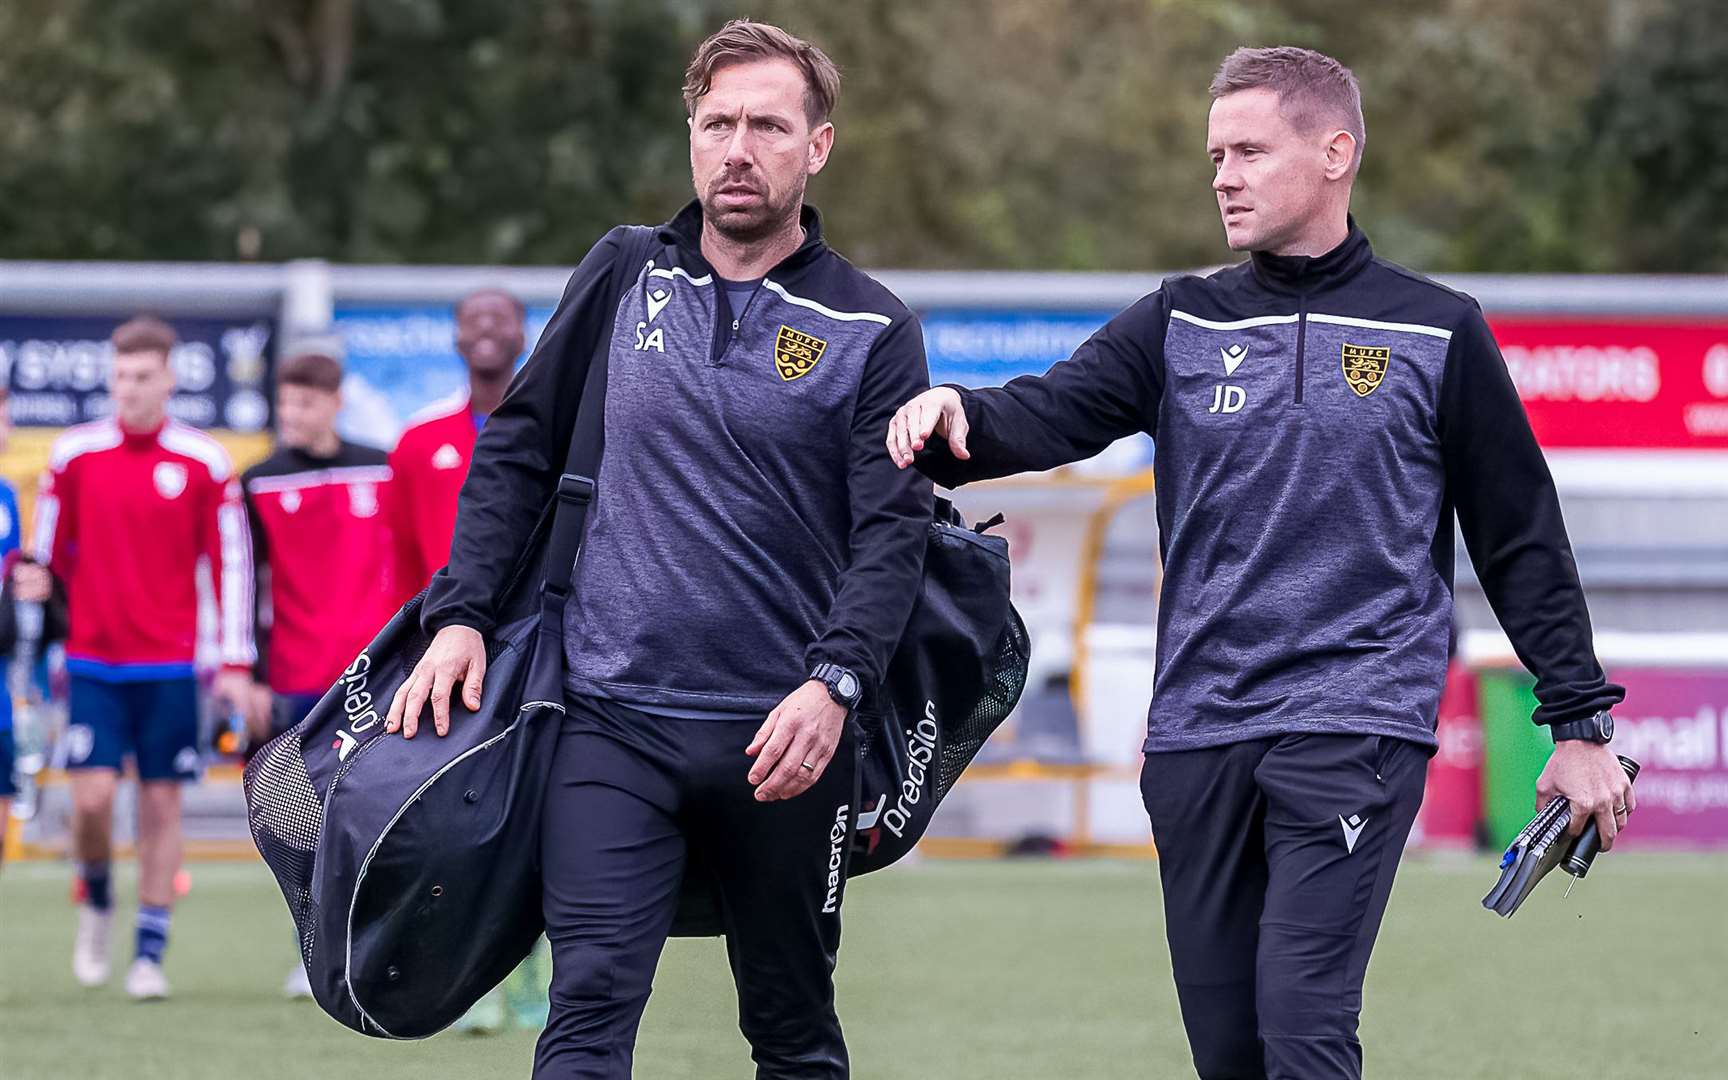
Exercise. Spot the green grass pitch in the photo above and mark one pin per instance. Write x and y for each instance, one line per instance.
(1040, 970)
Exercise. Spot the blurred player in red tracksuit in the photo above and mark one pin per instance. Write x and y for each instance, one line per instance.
(127, 510)
(321, 545)
(431, 458)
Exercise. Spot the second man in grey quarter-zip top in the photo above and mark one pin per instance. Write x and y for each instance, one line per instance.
(1319, 422)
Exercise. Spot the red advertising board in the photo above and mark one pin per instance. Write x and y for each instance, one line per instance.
(1452, 802)
(1620, 383)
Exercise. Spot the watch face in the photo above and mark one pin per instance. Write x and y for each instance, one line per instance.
(1605, 725)
(847, 685)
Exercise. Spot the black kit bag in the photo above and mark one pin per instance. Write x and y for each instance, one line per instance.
(411, 866)
(955, 676)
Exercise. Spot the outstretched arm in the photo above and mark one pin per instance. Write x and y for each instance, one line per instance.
(1109, 388)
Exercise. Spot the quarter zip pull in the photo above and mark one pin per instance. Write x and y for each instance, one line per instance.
(737, 322)
(1301, 341)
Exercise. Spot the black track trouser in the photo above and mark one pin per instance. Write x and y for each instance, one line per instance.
(1277, 858)
(633, 800)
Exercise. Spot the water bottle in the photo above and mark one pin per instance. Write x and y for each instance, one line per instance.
(28, 614)
(31, 740)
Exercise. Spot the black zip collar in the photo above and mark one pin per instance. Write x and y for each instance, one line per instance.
(684, 232)
(303, 457)
(288, 460)
(1311, 273)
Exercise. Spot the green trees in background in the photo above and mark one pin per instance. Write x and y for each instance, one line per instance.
(1657, 129)
(1502, 134)
(362, 130)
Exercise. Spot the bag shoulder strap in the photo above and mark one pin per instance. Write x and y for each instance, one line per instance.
(587, 441)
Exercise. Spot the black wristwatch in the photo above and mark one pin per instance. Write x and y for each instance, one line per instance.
(1598, 729)
(843, 686)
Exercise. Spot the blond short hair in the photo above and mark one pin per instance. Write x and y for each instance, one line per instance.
(1312, 87)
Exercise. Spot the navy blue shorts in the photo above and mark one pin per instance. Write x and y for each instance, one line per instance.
(154, 721)
(8, 765)
(287, 710)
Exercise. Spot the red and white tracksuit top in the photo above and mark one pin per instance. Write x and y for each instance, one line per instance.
(427, 469)
(124, 519)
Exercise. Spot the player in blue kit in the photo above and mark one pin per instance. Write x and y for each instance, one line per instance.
(29, 584)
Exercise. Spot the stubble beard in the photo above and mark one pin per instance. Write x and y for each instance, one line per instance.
(753, 226)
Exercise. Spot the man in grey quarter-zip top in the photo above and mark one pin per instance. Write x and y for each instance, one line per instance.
(749, 563)
(1321, 415)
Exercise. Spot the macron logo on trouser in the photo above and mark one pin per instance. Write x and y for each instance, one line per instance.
(1352, 830)
(836, 857)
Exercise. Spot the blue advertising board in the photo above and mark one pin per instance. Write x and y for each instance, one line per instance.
(400, 359)
(57, 370)
(988, 348)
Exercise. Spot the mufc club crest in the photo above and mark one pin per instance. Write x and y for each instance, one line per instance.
(170, 478)
(796, 352)
(1365, 367)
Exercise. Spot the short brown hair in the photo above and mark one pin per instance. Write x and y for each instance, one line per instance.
(742, 40)
(312, 369)
(1311, 87)
(145, 333)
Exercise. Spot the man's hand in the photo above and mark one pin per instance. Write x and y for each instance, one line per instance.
(233, 689)
(457, 655)
(260, 704)
(32, 583)
(936, 411)
(793, 746)
(1589, 776)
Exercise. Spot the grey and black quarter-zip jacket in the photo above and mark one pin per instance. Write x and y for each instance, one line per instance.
(1318, 422)
(747, 524)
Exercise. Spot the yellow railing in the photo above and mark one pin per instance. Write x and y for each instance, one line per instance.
(1119, 494)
